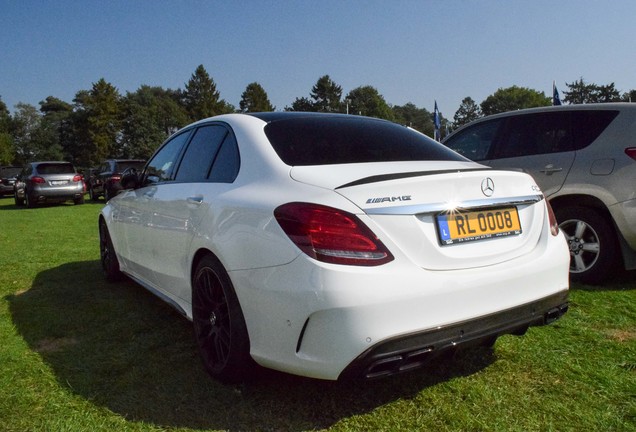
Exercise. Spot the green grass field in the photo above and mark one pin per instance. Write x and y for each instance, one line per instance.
(79, 354)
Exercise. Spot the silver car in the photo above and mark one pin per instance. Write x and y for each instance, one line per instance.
(52, 181)
(584, 159)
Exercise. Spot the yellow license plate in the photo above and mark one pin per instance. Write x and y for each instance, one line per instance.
(459, 227)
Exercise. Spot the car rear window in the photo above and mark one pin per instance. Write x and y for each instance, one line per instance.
(333, 140)
(56, 169)
(10, 172)
(123, 166)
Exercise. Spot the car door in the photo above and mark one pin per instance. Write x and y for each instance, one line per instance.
(134, 210)
(208, 165)
(540, 144)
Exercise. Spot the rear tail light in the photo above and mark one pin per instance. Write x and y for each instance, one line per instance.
(77, 178)
(115, 178)
(331, 235)
(39, 180)
(554, 225)
(631, 152)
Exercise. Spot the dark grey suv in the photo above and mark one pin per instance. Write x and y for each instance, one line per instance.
(52, 181)
(584, 159)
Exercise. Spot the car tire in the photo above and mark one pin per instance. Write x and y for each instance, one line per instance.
(108, 257)
(592, 243)
(219, 326)
(79, 200)
(19, 202)
(30, 202)
(92, 195)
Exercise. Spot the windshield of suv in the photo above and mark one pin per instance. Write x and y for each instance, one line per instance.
(328, 140)
(61, 168)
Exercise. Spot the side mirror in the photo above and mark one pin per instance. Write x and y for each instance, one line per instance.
(130, 179)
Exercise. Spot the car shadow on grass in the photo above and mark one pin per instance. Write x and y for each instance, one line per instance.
(120, 347)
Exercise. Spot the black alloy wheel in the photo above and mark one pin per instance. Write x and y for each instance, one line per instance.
(592, 243)
(219, 326)
(108, 258)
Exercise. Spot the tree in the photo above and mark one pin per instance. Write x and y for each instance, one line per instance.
(151, 114)
(33, 138)
(254, 99)
(513, 98)
(57, 122)
(301, 104)
(326, 95)
(7, 152)
(368, 102)
(201, 99)
(96, 125)
(467, 112)
(581, 92)
(629, 96)
(412, 116)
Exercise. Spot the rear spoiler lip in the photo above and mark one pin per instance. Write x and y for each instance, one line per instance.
(396, 176)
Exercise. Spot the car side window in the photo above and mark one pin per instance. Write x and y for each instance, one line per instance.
(532, 134)
(201, 153)
(588, 125)
(161, 167)
(227, 162)
(475, 141)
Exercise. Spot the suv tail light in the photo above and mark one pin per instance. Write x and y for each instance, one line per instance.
(554, 225)
(631, 152)
(77, 178)
(331, 235)
(37, 179)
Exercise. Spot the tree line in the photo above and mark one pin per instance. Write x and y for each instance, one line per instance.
(101, 123)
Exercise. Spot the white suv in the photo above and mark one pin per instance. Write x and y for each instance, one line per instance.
(584, 159)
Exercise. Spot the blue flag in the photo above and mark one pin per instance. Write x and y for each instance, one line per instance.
(556, 100)
(437, 122)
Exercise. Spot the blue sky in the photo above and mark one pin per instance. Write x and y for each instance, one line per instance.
(411, 51)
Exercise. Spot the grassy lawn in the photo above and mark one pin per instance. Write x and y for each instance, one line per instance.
(78, 354)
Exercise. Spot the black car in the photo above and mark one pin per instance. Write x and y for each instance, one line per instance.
(105, 180)
(8, 175)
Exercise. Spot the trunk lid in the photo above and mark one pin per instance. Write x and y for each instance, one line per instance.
(419, 209)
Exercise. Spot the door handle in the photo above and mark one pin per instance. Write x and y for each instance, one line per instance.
(197, 200)
(550, 169)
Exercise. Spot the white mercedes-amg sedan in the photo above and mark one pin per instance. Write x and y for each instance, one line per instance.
(333, 246)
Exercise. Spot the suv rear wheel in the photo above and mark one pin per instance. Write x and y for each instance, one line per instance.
(592, 243)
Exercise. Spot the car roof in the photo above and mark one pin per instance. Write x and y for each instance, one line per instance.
(288, 115)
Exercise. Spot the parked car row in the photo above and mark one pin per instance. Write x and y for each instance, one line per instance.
(583, 157)
(59, 181)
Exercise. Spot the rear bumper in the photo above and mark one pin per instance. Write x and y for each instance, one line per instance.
(329, 322)
(57, 194)
(412, 351)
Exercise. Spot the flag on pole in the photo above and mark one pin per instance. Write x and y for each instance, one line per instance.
(438, 123)
(556, 100)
